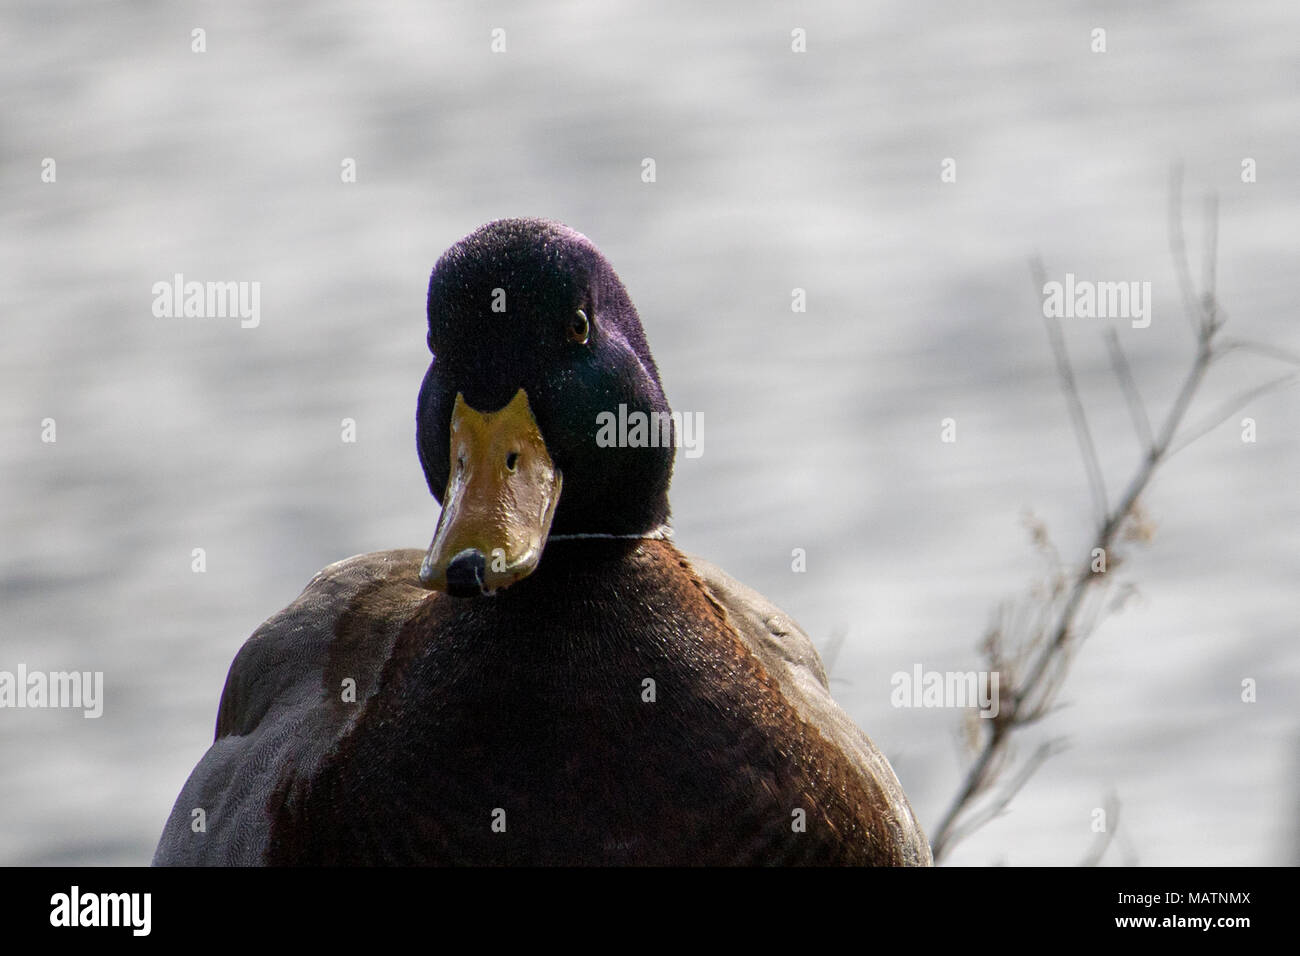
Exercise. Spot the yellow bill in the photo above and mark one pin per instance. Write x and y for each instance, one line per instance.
(502, 489)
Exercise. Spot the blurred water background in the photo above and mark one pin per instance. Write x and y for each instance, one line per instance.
(775, 170)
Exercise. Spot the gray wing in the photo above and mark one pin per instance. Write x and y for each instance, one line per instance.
(283, 705)
(790, 657)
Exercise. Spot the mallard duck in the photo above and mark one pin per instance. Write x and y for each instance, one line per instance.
(551, 681)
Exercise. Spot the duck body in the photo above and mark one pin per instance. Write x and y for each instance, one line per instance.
(522, 730)
(552, 682)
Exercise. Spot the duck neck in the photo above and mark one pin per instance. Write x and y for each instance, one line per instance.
(572, 565)
(662, 533)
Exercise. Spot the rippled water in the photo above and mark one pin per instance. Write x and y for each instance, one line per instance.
(775, 171)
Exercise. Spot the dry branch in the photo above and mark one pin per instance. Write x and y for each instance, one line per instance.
(1033, 656)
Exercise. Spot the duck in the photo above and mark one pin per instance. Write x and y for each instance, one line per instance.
(551, 681)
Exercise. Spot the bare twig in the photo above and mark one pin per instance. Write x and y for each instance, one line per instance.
(1210, 262)
(1137, 411)
(1093, 467)
(1178, 249)
(831, 652)
(1033, 668)
(1259, 348)
(997, 808)
(1225, 411)
(1102, 842)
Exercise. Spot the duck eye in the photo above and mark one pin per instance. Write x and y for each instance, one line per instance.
(579, 328)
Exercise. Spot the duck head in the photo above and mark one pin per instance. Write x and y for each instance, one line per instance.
(535, 342)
